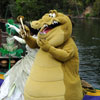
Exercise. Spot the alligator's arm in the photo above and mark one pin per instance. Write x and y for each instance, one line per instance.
(62, 54)
(31, 42)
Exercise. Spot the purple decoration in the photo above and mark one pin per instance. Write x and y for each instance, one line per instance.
(1, 81)
(88, 97)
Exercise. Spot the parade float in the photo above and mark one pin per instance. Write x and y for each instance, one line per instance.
(9, 51)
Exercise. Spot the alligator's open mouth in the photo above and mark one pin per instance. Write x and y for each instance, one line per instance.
(32, 30)
(46, 28)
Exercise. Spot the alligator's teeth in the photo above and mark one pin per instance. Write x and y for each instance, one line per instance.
(45, 25)
(55, 22)
(52, 23)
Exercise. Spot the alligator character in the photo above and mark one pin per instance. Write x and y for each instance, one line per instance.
(54, 74)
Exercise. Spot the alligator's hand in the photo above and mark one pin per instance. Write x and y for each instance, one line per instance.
(28, 38)
(25, 33)
(44, 45)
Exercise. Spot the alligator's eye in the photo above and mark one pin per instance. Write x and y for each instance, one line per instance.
(54, 15)
(50, 15)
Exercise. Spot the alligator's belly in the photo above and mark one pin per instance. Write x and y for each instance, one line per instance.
(46, 79)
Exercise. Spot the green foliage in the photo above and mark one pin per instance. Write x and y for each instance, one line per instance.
(34, 9)
(4, 8)
(87, 15)
(96, 8)
(87, 3)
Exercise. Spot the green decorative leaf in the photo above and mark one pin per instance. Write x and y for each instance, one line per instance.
(10, 21)
(10, 30)
(17, 52)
